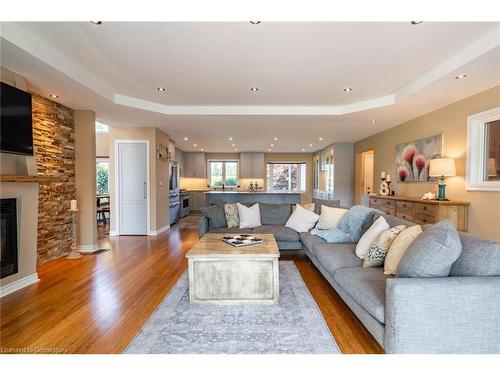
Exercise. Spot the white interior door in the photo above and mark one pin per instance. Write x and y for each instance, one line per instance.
(132, 188)
(368, 188)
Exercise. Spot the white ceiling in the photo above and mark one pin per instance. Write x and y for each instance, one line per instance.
(397, 72)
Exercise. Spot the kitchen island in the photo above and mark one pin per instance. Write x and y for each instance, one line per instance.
(238, 196)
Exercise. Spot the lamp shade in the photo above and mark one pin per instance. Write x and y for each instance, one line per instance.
(442, 167)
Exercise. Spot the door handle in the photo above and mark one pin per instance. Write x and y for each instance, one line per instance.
(145, 193)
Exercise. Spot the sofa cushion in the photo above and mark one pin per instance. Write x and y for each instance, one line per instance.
(330, 217)
(231, 230)
(309, 240)
(478, 258)
(366, 286)
(325, 202)
(281, 233)
(274, 213)
(377, 228)
(432, 253)
(302, 220)
(216, 216)
(249, 216)
(335, 256)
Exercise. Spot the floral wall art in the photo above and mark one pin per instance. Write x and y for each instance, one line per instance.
(412, 158)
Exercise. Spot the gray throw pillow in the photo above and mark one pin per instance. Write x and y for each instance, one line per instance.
(432, 253)
(216, 216)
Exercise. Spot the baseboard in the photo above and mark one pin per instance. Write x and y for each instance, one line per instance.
(87, 249)
(161, 230)
(113, 233)
(18, 284)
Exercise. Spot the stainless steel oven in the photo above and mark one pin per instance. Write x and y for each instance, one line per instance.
(185, 203)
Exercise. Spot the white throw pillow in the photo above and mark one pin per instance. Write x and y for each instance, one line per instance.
(302, 220)
(330, 217)
(398, 248)
(370, 235)
(307, 206)
(249, 216)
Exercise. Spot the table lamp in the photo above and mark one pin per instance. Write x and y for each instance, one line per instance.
(443, 167)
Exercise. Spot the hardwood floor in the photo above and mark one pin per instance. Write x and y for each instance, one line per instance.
(96, 304)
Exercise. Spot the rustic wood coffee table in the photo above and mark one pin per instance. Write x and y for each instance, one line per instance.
(222, 274)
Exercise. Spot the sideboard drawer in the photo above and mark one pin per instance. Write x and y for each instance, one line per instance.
(404, 207)
(427, 209)
(375, 202)
(421, 218)
(388, 210)
(408, 216)
(387, 203)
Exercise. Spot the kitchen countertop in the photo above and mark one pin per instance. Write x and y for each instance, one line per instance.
(250, 192)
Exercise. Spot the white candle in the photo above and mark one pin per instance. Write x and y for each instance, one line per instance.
(382, 175)
(388, 178)
(73, 204)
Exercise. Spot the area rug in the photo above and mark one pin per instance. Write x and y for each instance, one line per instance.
(294, 326)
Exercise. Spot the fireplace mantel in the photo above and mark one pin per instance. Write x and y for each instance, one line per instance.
(18, 178)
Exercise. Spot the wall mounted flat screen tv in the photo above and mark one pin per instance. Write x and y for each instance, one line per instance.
(16, 129)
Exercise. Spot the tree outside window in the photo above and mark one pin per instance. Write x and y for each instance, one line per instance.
(223, 172)
(286, 176)
(102, 176)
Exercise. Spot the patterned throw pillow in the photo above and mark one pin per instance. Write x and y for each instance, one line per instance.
(232, 217)
(378, 249)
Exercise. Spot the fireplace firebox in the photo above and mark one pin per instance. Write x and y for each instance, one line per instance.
(8, 235)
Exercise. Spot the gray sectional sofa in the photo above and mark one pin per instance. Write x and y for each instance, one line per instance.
(455, 314)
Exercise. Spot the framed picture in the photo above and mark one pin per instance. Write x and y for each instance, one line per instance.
(412, 158)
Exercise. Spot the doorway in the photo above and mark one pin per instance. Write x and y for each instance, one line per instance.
(132, 186)
(366, 176)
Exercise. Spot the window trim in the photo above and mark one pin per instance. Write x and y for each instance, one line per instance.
(476, 151)
(209, 172)
(299, 175)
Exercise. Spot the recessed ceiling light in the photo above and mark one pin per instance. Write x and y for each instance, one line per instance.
(373, 121)
(269, 150)
(275, 138)
(185, 138)
(195, 145)
(254, 89)
(348, 89)
(233, 144)
(320, 139)
(162, 89)
(235, 149)
(230, 138)
(461, 76)
(202, 149)
(272, 145)
(303, 149)
(255, 22)
(54, 96)
(416, 22)
(310, 144)
(96, 22)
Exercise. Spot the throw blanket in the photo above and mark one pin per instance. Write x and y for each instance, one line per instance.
(350, 227)
(332, 235)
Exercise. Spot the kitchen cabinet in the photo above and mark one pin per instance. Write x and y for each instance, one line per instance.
(179, 158)
(197, 200)
(252, 165)
(195, 165)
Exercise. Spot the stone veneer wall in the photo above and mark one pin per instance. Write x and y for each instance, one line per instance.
(54, 144)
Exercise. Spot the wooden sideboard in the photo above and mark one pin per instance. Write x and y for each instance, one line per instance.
(422, 211)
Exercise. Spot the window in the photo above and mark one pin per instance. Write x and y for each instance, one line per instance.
(223, 172)
(101, 128)
(286, 176)
(483, 151)
(102, 174)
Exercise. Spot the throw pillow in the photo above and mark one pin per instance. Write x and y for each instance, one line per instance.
(432, 253)
(249, 216)
(334, 235)
(307, 206)
(302, 220)
(370, 235)
(378, 249)
(399, 247)
(353, 221)
(215, 215)
(232, 218)
(330, 217)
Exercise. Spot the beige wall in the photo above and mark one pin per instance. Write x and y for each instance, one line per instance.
(452, 122)
(85, 178)
(158, 173)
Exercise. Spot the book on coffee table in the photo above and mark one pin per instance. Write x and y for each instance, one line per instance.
(239, 240)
